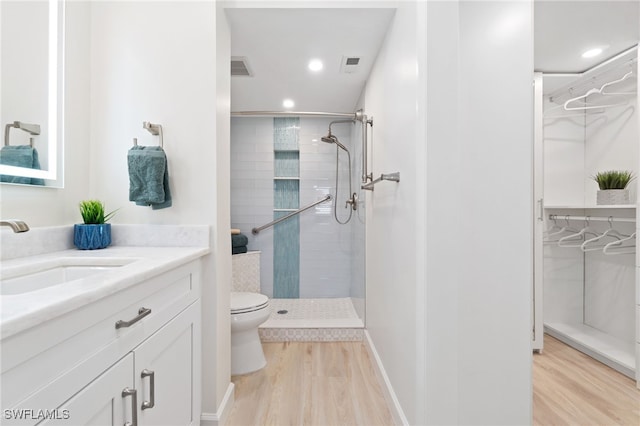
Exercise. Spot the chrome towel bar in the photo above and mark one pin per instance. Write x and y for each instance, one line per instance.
(256, 231)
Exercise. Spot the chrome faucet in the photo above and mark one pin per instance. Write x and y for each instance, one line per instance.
(15, 224)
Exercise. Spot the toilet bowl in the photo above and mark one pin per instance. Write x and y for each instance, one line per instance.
(248, 311)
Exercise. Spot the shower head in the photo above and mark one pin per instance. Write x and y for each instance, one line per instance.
(332, 139)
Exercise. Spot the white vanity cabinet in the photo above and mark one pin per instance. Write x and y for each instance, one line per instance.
(101, 401)
(81, 369)
(164, 372)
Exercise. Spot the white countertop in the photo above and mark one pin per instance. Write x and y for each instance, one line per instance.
(22, 311)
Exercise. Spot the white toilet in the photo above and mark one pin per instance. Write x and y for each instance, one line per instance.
(249, 309)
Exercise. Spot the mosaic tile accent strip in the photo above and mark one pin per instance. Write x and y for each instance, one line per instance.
(287, 164)
(286, 132)
(286, 194)
(286, 257)
(245, 272)
(311, 334)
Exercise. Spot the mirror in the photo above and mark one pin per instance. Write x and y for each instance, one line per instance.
(31, 34)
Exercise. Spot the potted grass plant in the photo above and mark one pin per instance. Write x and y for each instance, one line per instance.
(613, 186)
(94, 233)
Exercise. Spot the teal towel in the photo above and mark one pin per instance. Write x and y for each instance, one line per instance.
(239, 240)
(238, 250)
(149, 177)
(20, 156)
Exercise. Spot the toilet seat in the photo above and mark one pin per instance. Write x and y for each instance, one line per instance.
(243, 302)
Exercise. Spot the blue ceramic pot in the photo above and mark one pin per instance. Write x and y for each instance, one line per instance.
(91, 237)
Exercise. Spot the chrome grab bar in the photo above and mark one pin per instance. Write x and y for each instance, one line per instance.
(256, 231)
(394, 177)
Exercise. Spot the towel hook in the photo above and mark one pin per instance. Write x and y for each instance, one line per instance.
(154, 129)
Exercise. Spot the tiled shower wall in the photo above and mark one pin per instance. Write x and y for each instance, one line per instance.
(326, 248)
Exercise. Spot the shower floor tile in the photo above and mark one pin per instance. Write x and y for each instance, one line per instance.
(313, 313)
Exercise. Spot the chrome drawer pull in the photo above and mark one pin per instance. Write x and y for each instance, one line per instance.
(152, 383)
(134, 405)
(142, 312)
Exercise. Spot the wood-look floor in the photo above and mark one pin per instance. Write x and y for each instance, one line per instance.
(571, 388)
(304, 383)
(334, 384)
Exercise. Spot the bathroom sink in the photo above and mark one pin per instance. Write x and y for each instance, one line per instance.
(54, 272)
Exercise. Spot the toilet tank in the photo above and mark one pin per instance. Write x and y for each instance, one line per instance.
(245, 272)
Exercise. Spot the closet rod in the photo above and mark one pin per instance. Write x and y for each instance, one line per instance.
(591, 218)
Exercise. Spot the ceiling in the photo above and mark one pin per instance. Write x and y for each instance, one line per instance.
(278, 43)
(566, 29)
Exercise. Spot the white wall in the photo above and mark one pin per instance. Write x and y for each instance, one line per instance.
(392, 213)
(218, 294)
(40, 206)
(564, 161)
(496, 141)
(462, 353)
(157, 62)
(443, 216)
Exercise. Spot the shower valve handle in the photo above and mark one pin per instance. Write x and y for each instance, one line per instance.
(353, 201)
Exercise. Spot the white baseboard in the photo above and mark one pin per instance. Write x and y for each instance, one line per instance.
(220, 418)
(389, 395)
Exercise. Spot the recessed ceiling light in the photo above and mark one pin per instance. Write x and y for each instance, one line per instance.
(288, 103)
(592, 53)
(315, 65)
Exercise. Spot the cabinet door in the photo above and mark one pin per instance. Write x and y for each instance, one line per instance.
(167, 372)
(101, 402)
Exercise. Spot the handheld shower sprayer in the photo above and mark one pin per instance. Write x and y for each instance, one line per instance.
(353, 200)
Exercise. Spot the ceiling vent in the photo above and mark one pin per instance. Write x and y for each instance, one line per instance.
(240, 67)
(350, 64)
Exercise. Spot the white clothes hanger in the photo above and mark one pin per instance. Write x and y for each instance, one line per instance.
(596, 243)
(586, 106)
(603, 89)
(553, 228)
(576, 240)
(555, 236)
(617, 247)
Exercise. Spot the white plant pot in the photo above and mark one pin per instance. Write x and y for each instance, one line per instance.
(613, 196)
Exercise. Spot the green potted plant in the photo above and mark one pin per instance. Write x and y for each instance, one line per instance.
(94, 233)
(613, 186)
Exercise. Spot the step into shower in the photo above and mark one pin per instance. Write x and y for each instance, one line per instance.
(312, 320)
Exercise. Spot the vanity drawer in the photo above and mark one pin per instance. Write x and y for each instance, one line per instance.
(87, 339)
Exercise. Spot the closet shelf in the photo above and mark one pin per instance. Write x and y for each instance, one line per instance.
(286, 178)
(602, 207)
(610, 350)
